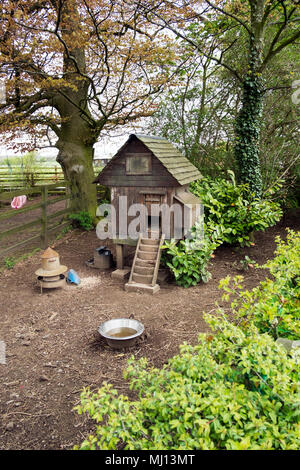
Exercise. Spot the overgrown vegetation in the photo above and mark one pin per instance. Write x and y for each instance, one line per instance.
(247, 129)
(82, 220)
(234, 209)
(234, 390)
(274, 305)
(232, 213)
(188, 259)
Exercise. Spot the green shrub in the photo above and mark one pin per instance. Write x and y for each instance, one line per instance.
(234, 210)
(9, 262)
(274, 305)
(82, 220)
(233, 390)
(188, 260)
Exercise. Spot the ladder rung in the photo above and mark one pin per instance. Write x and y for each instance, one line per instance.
(146, 261)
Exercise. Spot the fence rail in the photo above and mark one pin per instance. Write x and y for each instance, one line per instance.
(43, 220)
(16, 178)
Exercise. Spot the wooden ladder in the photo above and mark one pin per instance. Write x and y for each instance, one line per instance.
(146, 261)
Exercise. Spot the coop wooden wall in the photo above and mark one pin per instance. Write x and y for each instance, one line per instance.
(137, 195)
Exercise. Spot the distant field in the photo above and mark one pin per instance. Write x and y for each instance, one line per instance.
(13, 176)
(16, 176)
(7, 161)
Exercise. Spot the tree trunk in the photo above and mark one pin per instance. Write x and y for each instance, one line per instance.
(247, 130)
(75, 144)
(248, 123)
(77, 133)
(76, 159)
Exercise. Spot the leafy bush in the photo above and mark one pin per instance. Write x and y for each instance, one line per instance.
(274, 305)
(234, 209)
(9, 262)
(188, 259)
(82, 220)
(233, 390)
(231, 214)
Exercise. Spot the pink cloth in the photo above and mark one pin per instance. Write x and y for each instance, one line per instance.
(18, 202)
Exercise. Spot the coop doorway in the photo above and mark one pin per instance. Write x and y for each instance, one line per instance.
(153, 218)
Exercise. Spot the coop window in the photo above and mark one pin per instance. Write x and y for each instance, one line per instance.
(138, 164)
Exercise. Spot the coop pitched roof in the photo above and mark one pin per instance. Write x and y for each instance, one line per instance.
(186, 197)
(178, 165)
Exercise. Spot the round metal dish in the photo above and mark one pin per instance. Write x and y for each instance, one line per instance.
(52, 282)
(119, 323)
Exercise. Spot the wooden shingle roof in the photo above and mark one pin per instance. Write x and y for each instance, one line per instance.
(177, 165)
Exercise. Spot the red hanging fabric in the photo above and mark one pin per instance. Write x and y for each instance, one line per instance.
(18, 202)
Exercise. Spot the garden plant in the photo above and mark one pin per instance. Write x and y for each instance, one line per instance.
(274, 305)
(234, 209)
(235, 390)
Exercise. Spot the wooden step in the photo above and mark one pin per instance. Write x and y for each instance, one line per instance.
(137, 287)
(142, 279)
(149, 241)
(144, 263)
(149, 248)
(147, 256)
(145, 270)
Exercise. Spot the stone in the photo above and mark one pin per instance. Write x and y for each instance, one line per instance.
(121, 274)
(137, 287)
(10, 426)
(44, 378)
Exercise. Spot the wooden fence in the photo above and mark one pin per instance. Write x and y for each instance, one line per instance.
(16, 179)
(44, 220)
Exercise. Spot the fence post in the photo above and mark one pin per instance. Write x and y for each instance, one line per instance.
(44, 233)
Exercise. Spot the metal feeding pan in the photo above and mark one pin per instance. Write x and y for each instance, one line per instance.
(51, 282)
(121, 332)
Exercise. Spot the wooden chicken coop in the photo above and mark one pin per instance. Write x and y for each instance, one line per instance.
(151, 172)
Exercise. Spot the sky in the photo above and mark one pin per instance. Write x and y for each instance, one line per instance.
(104, 149)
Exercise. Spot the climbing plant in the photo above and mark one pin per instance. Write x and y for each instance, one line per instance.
(262, 29)
(247, 131)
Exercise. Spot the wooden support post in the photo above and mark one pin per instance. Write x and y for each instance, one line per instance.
(120, 256)
(44, 233)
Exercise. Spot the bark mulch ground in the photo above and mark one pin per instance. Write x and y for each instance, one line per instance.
(52, 345)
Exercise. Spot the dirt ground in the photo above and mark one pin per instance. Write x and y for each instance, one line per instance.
(52, 344)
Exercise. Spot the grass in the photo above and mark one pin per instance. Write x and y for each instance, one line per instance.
(11, 261)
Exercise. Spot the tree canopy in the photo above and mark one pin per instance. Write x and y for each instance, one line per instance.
(73, 68)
